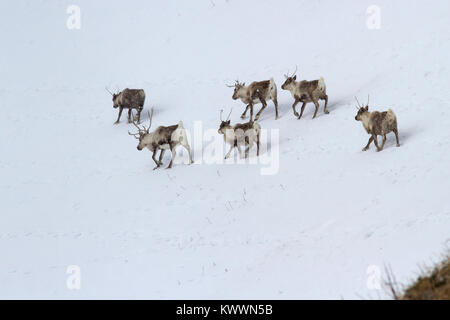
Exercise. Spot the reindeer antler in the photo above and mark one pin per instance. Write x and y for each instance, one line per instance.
(109, 91)
(136, 135)
(151, 118)
(143, 129)
(359, 105)
(236, 83)
(357, 101)
(136, 125)
(228, 118)
(288, 76)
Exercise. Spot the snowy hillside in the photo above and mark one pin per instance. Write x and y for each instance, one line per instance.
(74, 190)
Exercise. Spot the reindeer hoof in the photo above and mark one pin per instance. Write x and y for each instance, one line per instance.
(117, 122)
(365, 149)
(155, 167)
(327, 112)
(398, 144)
(297, 115)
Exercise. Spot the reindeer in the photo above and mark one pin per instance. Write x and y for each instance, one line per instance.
(162, 138)
(256, 92)
(128, 99)
(244, 134)
(306, 91)
(377, 123)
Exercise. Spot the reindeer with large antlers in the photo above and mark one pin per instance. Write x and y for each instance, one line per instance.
(128, 99)
(377, 123)
(306, 91)
(241, 134)
(256, 92)
(163, 138)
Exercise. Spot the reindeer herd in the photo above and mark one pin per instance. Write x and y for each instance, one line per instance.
(245, 135)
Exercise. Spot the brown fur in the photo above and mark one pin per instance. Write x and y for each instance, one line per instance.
(243, 126)
(129, 99)
(257, 88)
(162, 135)
(256, 92)
(241, 134)
(378, 123)
(161, 139)
(305, 92)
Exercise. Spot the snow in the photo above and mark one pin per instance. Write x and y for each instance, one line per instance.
(75, 191)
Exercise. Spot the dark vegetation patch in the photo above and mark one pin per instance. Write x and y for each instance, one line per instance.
(434, 285)
(430, 285)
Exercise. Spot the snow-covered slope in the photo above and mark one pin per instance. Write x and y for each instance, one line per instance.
(75, 191)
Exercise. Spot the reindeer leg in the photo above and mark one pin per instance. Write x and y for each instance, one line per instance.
(229, 152)
(139, 115)
(120, 114)
(384, 141)
(257, 144)
(240, 151)
(161, 155)
(396, 137)
(247, 150)
(174, 154)
(303, 109)
(153, 157)
(264, 105)
(375, 140)
(247, 146)
(186, 146)
(129, 115)
(245, 112)
(368, 144)
(317, 108)
(275, 102)
(251, 112)
(325, 110)
(293, 107)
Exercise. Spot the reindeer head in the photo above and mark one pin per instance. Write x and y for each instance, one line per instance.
(238, 86)
(224, 125)
(290, 80)
(142, 132)
(115, 100)
(361, 109)
(115, 97)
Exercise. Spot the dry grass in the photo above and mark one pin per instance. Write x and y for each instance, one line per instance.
(431, 285)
